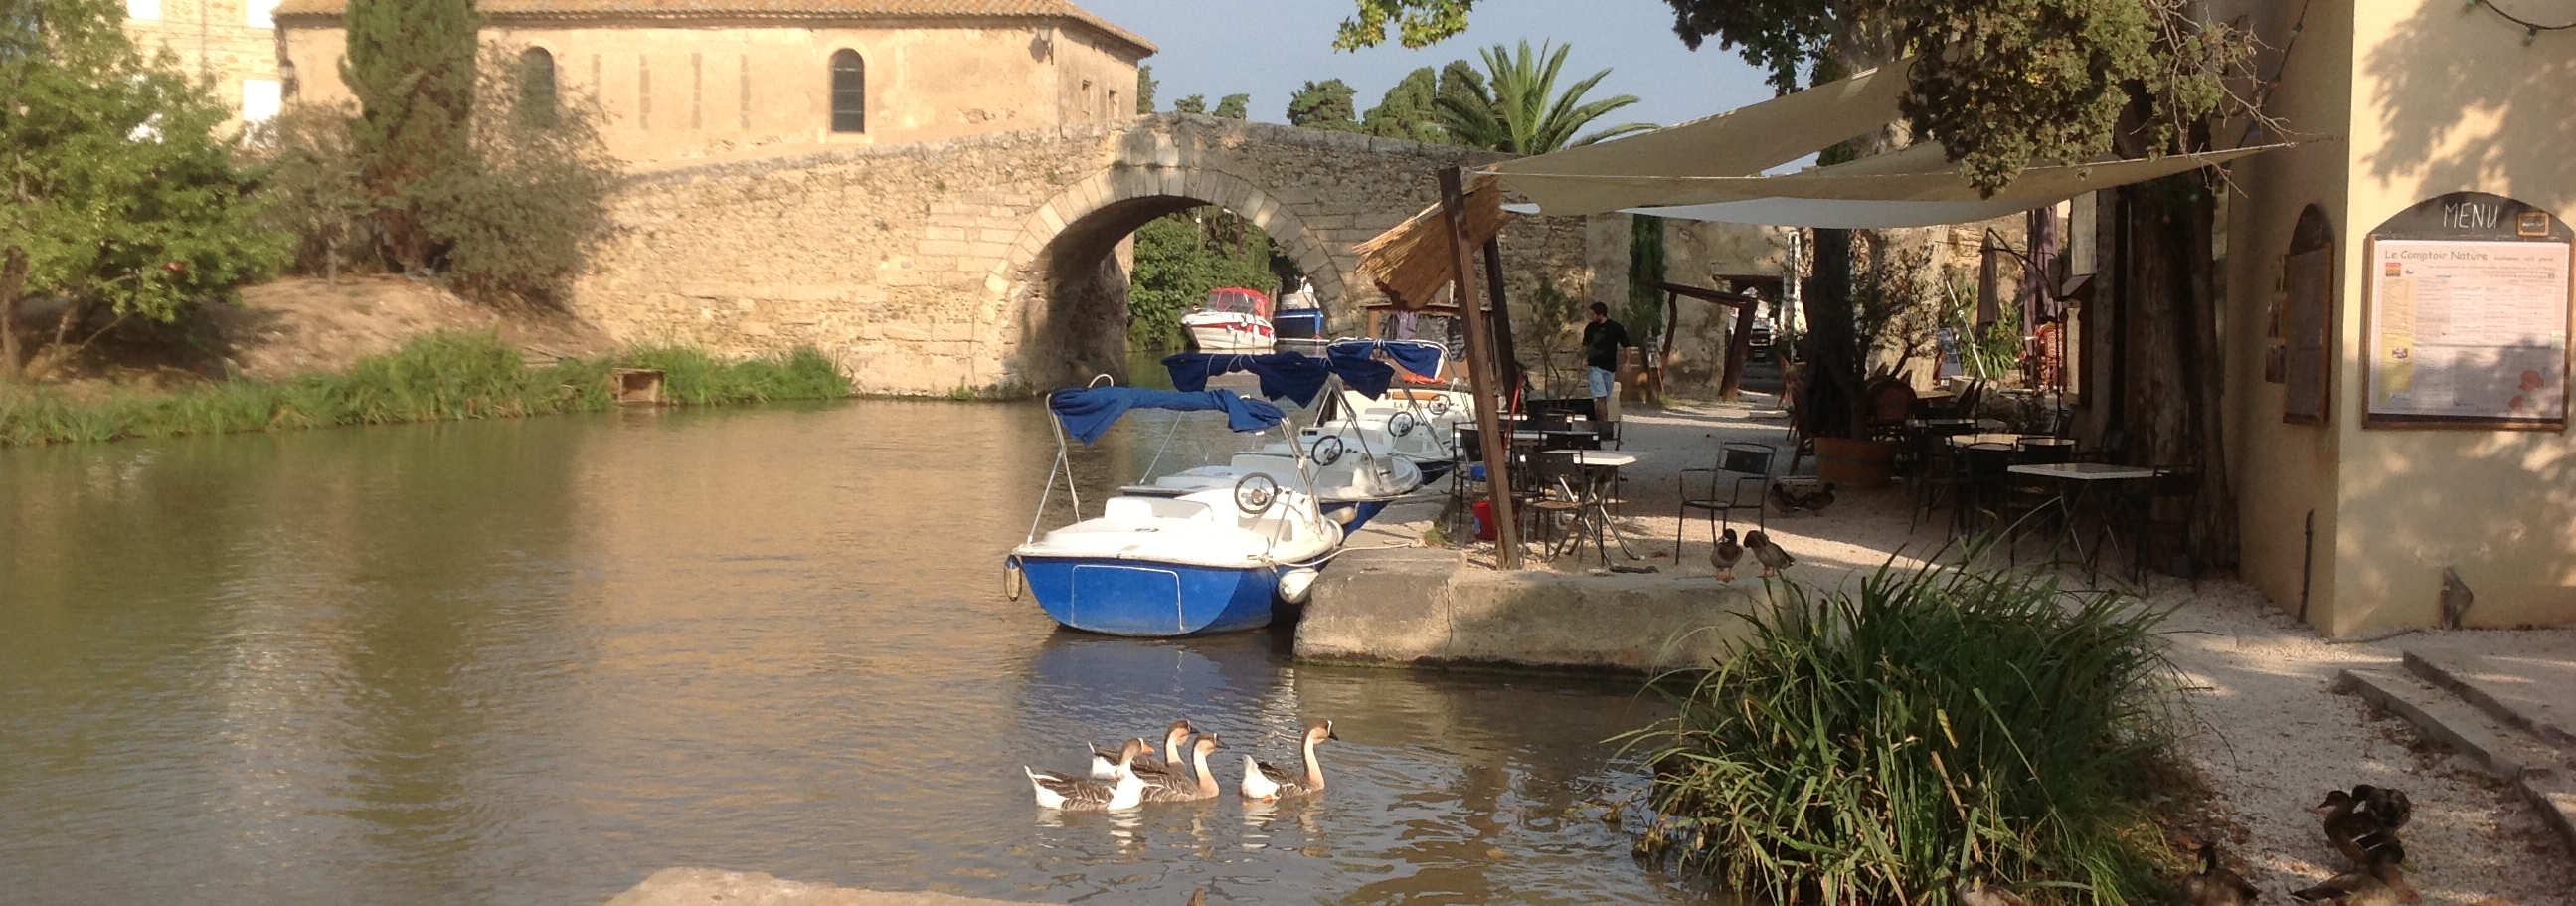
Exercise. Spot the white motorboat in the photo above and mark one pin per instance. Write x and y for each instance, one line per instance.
(1234, 320)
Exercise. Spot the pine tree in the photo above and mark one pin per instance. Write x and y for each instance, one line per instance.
(1233, 107)
(118, 194)
(1406, 110)
(411, 64)
(1196, 103)
(1328, 106)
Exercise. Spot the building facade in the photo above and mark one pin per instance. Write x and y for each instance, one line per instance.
(692, 80)
(233, 43)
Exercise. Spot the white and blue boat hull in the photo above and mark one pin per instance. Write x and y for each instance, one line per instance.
(1146, 598)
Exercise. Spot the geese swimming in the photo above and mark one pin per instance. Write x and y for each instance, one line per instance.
(1104, 762)
(2215, 885)
(1200, 783)
(1266, 782)
(1058, 790)
(1179, 731)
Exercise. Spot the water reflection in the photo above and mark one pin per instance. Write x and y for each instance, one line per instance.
(530, 662)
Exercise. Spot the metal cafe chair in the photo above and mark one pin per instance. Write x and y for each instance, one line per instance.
(1562, 507)
(1740, 480)
(2176, 483)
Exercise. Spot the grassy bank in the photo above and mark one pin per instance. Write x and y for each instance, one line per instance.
(1880, 746)
(438, 377)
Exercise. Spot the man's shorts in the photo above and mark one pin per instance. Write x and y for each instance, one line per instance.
(1604, 383)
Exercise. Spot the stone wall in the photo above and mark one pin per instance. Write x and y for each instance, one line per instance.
(228, 41)
(987, 263)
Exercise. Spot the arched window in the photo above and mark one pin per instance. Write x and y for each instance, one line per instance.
(537, 85)
(849, 92)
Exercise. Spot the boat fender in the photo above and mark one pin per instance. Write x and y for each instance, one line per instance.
(1015, 581)
(1294, 585)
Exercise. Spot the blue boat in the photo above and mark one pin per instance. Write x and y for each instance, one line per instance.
(1166, 561)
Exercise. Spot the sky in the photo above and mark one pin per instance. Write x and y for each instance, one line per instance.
(1267, 48)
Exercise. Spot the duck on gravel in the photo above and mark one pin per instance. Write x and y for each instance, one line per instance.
(2215, 884)
(2361, 835)
(1267, 783)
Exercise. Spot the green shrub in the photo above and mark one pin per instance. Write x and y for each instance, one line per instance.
(1877, 747)
(441, 376)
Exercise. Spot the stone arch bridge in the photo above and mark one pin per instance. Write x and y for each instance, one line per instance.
(990, 263)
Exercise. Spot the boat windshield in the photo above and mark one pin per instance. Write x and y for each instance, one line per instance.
(1239, 302)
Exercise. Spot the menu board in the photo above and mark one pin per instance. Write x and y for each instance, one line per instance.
(2467, 331)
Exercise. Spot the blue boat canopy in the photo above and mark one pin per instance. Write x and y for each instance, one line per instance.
(1087, 412)
(1356, 361)
(1283, 375)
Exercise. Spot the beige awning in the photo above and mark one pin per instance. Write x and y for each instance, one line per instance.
(1738, 143)
(1411, 261)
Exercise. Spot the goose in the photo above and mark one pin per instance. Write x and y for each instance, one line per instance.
(1179, 731)
(1059, 790)
(1199, 784)
(1267, 783)
(1104, 762)
(2216, 885)
(2376, 884)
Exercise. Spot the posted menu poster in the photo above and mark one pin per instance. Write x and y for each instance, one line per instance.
(2468, 332)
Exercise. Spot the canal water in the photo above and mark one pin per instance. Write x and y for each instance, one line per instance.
(530, 662)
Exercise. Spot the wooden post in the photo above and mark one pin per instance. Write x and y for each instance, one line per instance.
(1481, 372)
(1501, 320)
(1739, 349)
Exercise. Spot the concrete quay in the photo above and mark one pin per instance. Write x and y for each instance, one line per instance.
(712, 887)
(1426, 606)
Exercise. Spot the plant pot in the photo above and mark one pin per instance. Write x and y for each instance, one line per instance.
(1855, 463)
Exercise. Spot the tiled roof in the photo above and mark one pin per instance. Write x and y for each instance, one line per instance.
(766, 9)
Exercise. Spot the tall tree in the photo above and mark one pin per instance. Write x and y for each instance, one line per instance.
(1329, 105)
(1517, 108)
(411, 65)
(1233, 107)
(1145, 85)
(119, 196)
(1196, 103)
(1407, 111)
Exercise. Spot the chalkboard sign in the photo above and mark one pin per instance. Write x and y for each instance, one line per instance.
(2467, 322)
(2307, 330)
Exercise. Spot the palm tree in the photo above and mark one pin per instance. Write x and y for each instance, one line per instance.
(1515, 107)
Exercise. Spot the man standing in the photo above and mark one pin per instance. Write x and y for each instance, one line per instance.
(1602, 340)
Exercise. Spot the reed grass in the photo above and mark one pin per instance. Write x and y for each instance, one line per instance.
(449, 375)
(1878, 746)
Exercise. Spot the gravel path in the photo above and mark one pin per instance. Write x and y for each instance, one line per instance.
(2271, 736)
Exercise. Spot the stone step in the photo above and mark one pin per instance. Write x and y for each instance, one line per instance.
(2511, 700)
(2540, 772)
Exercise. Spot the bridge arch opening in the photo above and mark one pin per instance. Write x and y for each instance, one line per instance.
(1067, 302)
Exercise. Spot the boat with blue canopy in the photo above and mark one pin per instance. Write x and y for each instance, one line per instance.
(1354, 468)
(1162, 561)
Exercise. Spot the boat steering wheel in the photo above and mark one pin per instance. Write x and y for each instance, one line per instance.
(1326, 450)
(1254, 493)
(1402, 424)
(1439, 406)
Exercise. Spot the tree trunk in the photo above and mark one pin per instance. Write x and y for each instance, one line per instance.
(2171, 377)
(13, 288)
(1832, 407)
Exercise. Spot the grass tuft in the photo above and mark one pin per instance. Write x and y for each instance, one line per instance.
(1878, 746)
(449, 375)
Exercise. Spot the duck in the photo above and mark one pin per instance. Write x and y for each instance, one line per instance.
(1199, 784)
(1974, 892)
(2359, 835)
(2216, 885)
(1179, 732)
(1787, 500)
(1727, 553)
(1817, 501)
(1267, 783)
(2387, 804)
(2379, 883)
(1773, 557)
(1066, 792)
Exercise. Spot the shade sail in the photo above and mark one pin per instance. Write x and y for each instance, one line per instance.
(1410, 262)
(1283, 375)
(1738, 143)
(1914, 187)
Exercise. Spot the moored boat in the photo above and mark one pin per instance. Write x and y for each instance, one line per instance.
(1234, 320)
(1174, 561)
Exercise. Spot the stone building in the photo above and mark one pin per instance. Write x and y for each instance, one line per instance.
(230, 41)
(697, 78)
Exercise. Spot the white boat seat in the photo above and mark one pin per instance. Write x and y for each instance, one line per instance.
(1144, 508)
(1152, 490)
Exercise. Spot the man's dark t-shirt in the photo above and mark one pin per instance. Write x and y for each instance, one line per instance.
(1601, 344)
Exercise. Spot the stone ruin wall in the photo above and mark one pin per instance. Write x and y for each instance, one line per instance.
(987, 263)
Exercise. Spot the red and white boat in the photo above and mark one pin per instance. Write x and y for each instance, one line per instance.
(1233, 320)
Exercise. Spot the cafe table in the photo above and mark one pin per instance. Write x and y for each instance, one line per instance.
(2075, 483)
